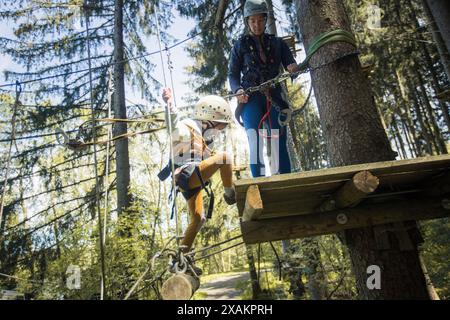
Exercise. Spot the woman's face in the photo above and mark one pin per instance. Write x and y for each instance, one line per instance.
(257, 24)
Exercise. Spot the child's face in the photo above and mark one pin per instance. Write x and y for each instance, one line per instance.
(221, 126)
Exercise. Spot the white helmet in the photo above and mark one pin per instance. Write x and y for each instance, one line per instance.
(213, 108)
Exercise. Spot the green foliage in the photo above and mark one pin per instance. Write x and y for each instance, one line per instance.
(51, 219)
(436, 254)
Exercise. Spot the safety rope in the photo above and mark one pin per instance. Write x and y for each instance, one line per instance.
(97, 182)
(299, 110)
(193, 252)
(13, 137)
(217, 252)
(338, 35)
(150, 267)
(78, 145)
(169, 125)
(278, 259)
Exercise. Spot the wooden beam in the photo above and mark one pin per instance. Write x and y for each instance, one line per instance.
(438, 185)
(290, 41)
(253, 204)
(179, 287)
(332, 222)
(352, 192)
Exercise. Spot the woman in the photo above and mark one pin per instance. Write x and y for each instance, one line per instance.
(256, 58)
(195, 162)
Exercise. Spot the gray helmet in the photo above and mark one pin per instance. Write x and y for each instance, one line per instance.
(253, 7)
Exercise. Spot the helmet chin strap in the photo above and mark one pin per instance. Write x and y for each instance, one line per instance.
(209, 124)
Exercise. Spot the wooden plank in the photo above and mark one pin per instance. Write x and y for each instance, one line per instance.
(339, 220)
(342, 173)
(290, 41)
(253, 204)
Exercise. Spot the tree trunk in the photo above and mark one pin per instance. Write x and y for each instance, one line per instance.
(271, 25)
(398, 137)
(407, 134)
(316, 277)
(256, 289)
(436, 132)
(435, 82)
(120, 112)
(354, 135)
(407, 115)
(425, 135)
(438, 13)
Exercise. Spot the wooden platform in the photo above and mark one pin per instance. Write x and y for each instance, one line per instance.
(331, 200)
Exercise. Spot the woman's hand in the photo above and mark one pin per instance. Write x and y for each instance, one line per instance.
(292, 68)
(243, 98)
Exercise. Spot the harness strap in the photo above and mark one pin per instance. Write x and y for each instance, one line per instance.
(208, 192)
(267, 116)
(173, 197)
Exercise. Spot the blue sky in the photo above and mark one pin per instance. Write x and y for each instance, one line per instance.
(180, 59)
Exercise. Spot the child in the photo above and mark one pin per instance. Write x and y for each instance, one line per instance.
(194, 161)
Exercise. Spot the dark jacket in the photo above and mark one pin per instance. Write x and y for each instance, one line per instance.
(246, 68)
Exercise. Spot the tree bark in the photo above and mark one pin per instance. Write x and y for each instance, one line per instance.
(120, 112)
(354, 135)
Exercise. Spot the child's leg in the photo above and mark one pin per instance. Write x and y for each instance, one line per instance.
(220, 161)
(197, 218)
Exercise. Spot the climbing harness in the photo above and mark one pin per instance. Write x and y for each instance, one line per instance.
(266, 115)
(183, 173)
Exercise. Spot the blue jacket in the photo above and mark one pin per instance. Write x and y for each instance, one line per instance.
(246, 69)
